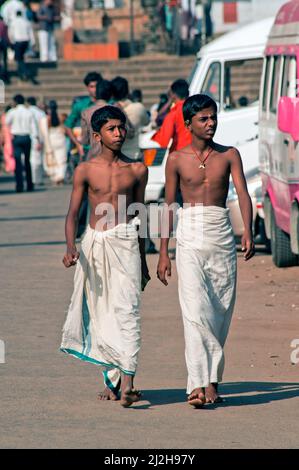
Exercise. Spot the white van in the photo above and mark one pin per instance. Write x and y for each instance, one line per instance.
(228, 69)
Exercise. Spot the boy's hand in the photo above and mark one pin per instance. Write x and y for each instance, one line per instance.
(164, 266)
(247, 246)
(71, 257)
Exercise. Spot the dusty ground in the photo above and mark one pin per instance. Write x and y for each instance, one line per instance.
(48, 400)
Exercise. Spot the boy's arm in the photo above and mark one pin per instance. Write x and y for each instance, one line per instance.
(139, 191)
(71, 221)
(244, 202)
(171, 183)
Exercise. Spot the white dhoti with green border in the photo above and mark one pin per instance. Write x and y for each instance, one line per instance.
(103, 320)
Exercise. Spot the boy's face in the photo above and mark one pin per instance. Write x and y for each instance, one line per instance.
(204, 124)
(112, 134)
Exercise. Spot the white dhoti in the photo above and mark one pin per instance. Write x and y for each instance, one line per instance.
(103, 321)
(206, 265)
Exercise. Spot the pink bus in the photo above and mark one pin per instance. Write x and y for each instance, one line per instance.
(279, 136)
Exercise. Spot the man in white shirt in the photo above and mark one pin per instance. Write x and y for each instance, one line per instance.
(36, 155)
(21, 34)
(23, 128)
(9, 10)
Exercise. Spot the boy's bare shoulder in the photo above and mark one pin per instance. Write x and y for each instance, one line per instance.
(81, 170)
(140, 169)
(227, 151)
(179, 154)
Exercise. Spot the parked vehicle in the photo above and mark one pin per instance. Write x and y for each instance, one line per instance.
(229, 70)
(279, 136)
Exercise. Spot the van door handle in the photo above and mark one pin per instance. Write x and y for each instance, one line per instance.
(286, 142)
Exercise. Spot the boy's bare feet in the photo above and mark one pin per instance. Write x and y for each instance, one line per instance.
(212, 394)
(197, 398)
(129, 394)
(107, 394)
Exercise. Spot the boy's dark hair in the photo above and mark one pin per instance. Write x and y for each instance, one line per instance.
(92, 77)
(197, 103)
(31, 100)
(102, 115)
(19, 99)
(120, 88)
(180, 88)
(104, 90)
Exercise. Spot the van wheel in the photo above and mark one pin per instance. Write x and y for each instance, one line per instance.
(282, 254)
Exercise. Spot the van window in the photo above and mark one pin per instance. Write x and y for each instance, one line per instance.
(193, 71)
(266, 83)
(289, 82)
(242, 83)
(212, 83)
(275, 92)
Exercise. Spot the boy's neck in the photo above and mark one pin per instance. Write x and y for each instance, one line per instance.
(109, 155)
(201, 145)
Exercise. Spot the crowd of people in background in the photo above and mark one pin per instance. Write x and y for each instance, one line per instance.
(21, 29)
(53, 144)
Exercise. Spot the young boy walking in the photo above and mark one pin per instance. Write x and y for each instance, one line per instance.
(103, 320)
(206, 253)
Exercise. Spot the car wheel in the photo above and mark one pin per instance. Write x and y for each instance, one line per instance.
(282, 254)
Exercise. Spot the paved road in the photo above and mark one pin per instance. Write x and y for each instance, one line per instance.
(48, 400)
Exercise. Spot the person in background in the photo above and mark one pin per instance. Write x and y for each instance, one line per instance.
(53, 133)
(32, 18)
(103, 96)
(4, 43)
(135, 112)
(162, 109)
(36, 156)
(173, 126)
(9, 10)
(47, 17)
(79, 105)
(136, 96)
(21, 35)
(23, 128)
(6, 143)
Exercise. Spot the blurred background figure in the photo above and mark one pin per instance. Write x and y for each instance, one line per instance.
(54, 138)
(32, 18)
(80, 104)
(21, 35)
(135, 112)
(6, 143)
(103, 96)
(23, 129)
(47, 17)
(36, 155)
(136, 96)
(4, 43)
(173, 126)
(9, 10)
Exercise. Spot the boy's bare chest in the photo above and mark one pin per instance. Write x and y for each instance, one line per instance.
(111, 180)
(194, 172)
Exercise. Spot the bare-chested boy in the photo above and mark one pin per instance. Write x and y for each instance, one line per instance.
(103, 321)
(206, 254)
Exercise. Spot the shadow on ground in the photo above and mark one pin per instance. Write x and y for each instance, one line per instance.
(234, 394)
